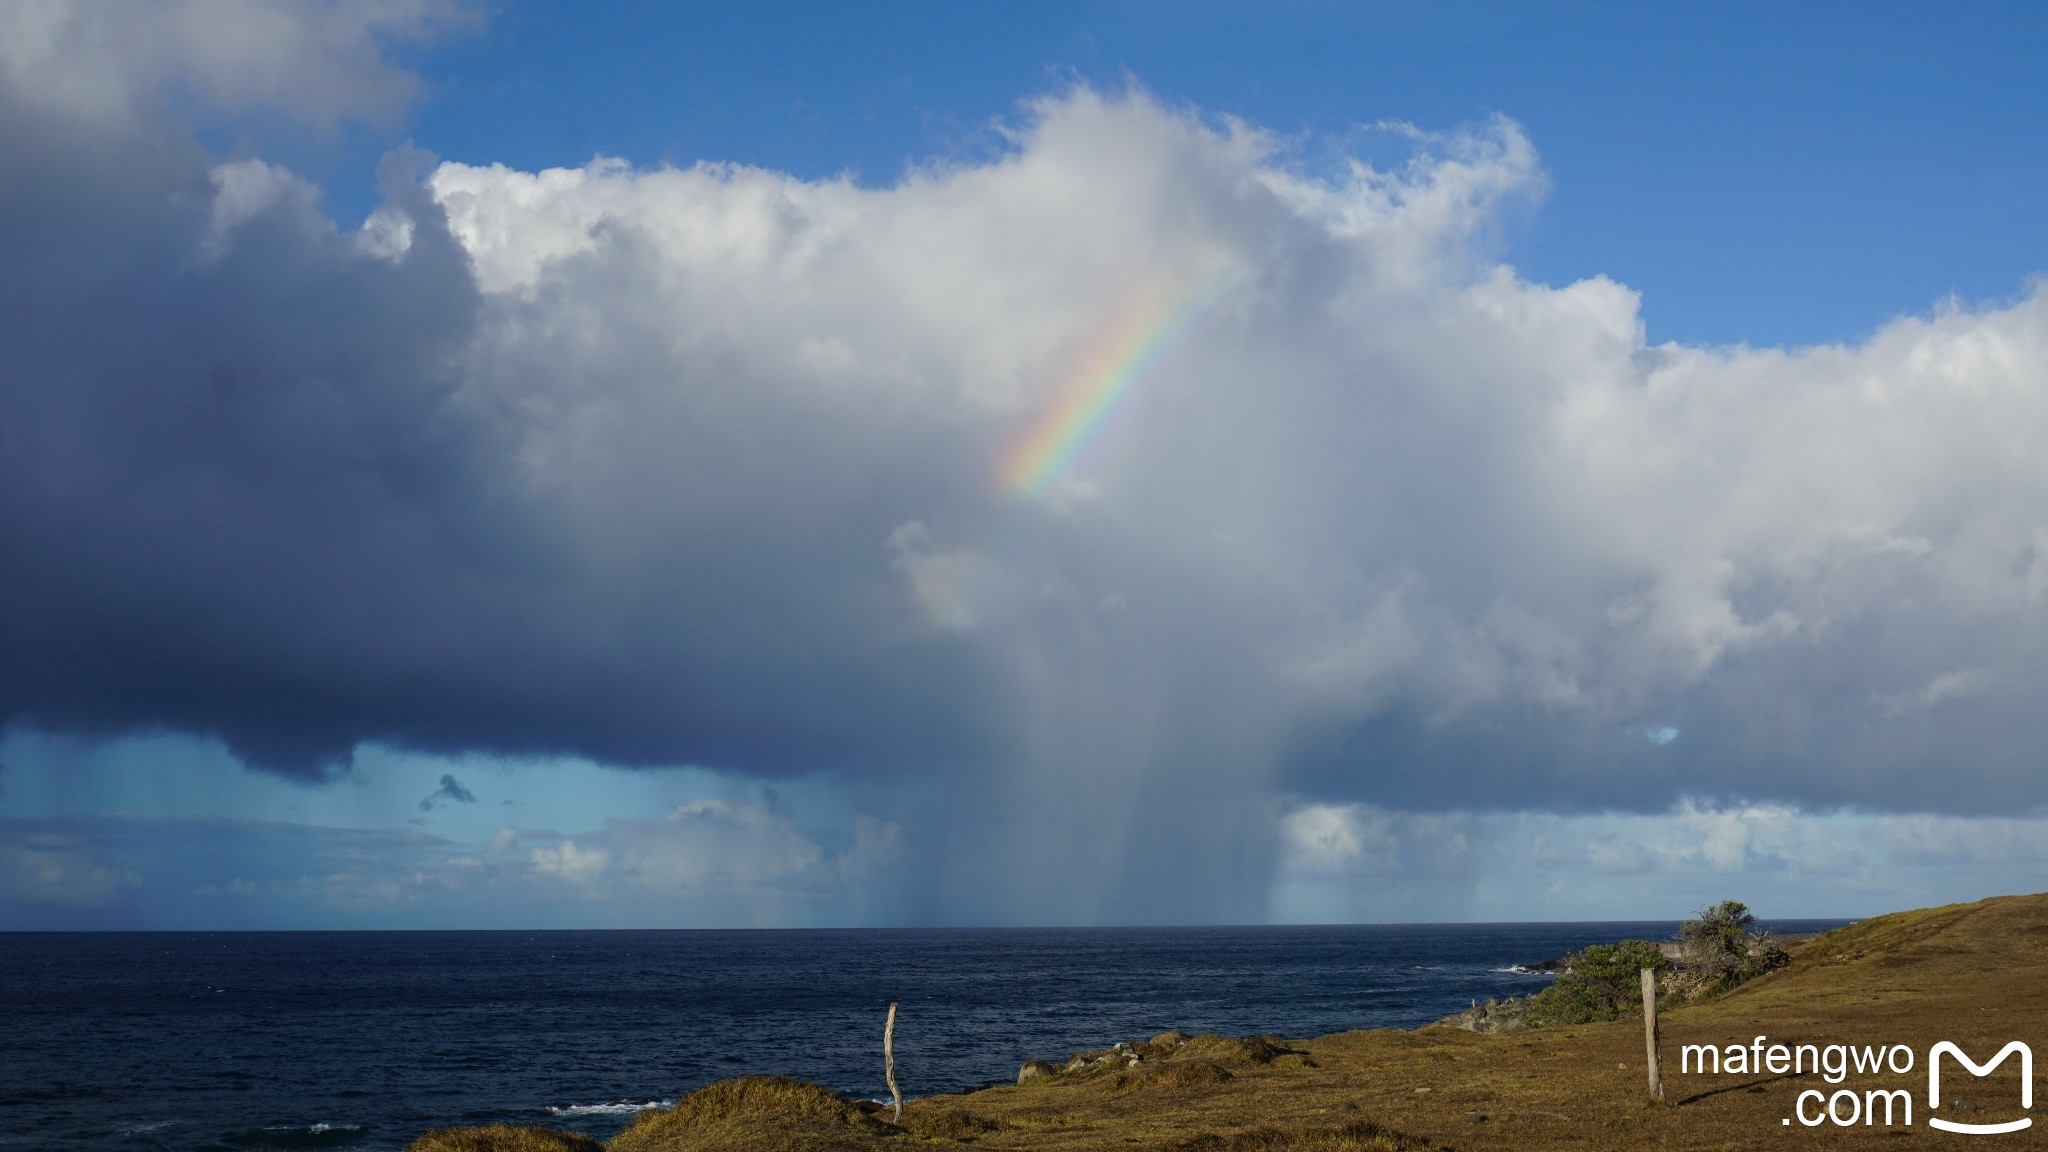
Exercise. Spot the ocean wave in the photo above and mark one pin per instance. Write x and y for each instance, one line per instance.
(623, 1108)
(321, 1135)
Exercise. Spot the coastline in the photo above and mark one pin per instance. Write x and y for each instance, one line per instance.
(1967, 973)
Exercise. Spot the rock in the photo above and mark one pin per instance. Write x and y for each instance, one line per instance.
(1492, 1016)
(1033, 1070)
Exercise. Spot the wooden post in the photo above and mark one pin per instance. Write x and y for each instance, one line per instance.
(889, 1060)
(1654, 1057)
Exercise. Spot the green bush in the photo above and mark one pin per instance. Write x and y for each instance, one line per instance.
(1602, 983)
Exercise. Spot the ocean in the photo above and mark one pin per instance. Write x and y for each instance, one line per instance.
(362, 1040)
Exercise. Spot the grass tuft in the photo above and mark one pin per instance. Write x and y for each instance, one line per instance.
(503, 1138)
(1233, 1051)
(947, 1124)
(1361, 1136)
(753, 1112)
(752, 1097)
(1184, 1074)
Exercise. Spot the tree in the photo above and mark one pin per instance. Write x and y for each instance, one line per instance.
(1724, 926)
(1723, 948)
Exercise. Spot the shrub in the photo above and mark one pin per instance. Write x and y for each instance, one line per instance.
(1723, 948)
(1720, 928)
(1601, 983)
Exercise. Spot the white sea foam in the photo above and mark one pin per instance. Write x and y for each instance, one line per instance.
(624, 1108)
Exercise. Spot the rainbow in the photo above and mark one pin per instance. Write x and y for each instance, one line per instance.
(1130, 354)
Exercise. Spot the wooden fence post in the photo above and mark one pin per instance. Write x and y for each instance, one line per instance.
(889, 1060)
(1654, 1057)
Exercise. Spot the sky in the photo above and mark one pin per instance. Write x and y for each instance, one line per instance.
(545, 465)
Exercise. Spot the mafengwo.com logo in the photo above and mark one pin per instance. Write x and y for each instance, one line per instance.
(1862, 1105)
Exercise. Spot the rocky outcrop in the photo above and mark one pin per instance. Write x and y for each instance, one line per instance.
(1492, 1016)
(1169, 1060)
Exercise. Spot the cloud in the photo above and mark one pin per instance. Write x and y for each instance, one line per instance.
(722, 863)
(566, 860)
(56, 870)
(701, 466)
(1954, 685)
(1352, 862)
(100, 59)
(737, 861)
(451, 791)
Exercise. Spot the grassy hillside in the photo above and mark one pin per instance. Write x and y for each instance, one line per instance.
(1975, 974)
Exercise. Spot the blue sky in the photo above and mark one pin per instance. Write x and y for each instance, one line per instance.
(1605, 485)
(1763, 174)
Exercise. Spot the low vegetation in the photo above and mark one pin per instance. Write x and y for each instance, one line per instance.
(754, 1114)
(504, 1138)
(1721, 949)
(1717, 951)
(1601, 982)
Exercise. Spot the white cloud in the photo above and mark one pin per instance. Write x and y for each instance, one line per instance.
(1347, 862)
(720, 860)
(100, 58)
(1395, 477)
(566, 860)
(716, 842)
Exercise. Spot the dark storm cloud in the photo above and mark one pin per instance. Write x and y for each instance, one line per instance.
(451, 791)
(702, 466)
(244, 493)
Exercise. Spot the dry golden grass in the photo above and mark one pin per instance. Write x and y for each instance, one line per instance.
(1358, 1136)
(756, 1114)
(1234, 1051)
(1976, 974)
(503, 1138)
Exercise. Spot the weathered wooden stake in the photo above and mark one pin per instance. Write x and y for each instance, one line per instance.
(889, 1061)
(1654, 1061)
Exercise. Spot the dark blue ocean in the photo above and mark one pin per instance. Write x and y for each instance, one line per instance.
(363, 1040)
